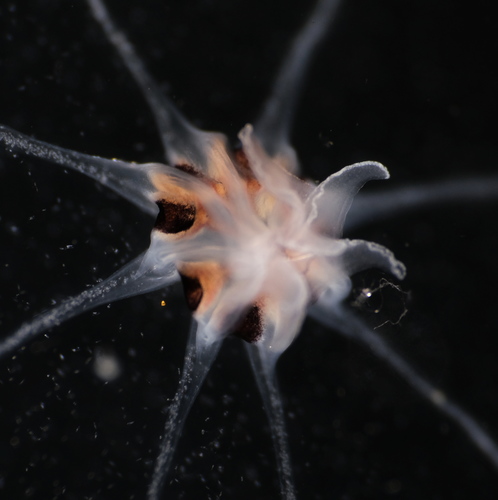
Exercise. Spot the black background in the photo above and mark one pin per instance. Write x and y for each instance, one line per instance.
(406, 83)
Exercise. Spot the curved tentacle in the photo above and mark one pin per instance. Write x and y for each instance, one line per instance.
(360, 255)
(329, 203)
(273, 125)
(348, 325)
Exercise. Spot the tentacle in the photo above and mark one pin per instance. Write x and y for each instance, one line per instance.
(331, 200)
(143, 274)
(350, 326)
(371, 207)
(287, 296)
(360, 255)
(273, 125)
(263, 364)
(130, 180)
(198, 360)
(182, 142)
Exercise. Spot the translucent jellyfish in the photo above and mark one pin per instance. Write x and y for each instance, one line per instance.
(72, 432)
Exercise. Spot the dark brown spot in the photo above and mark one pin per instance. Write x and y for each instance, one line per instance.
(242, 161)
(193, 291)
(174, 217)
(250, 328)
(189, 169)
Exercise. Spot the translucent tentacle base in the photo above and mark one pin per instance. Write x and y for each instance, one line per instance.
(130, 180)
(182, 142)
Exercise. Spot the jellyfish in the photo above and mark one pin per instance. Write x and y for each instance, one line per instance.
(153, 271)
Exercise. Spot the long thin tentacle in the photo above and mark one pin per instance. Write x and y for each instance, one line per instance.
(182, 142)
(350, 326)
(370, 207)
(132, 279)
(198, 360)
(263, 364)
(273, 125)
(130, 180)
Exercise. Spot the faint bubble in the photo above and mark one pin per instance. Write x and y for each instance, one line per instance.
(393, 486)
(106, 365)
